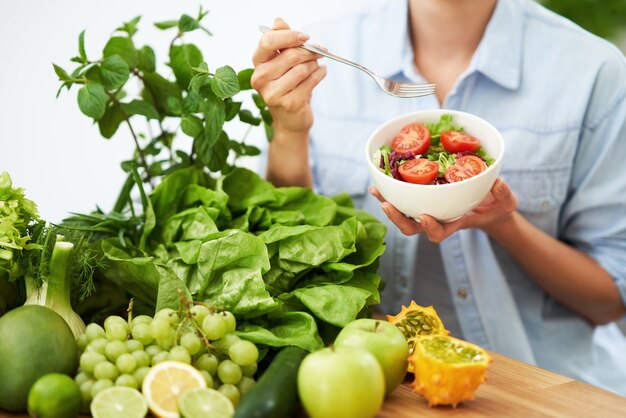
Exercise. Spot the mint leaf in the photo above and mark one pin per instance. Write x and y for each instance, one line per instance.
(113, 117)
(232, 108)
(213, 154)
(191, 125)
(187, 23)
(114, 72)
(81, 47)
(247, 117)
(244, 77)
(182, 59)
(167, 24)
(215, 116)
(140, 107)
(130, 27)
(147, 59)
(92, 100)
(63, 75)
(157, 91)
(258, 101)
(191, 102)
(123, 47)
(225, 82)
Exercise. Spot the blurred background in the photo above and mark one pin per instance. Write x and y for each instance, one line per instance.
(57, 154)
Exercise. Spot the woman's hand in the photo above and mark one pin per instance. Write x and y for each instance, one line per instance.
(285, 76)
(493, 211)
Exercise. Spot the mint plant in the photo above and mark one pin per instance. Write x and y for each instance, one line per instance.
(199, 101)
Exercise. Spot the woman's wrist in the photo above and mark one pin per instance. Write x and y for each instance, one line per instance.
(505, 228)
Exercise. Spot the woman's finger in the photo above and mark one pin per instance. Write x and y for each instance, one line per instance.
(281, 64)
(373, 190)
(276, 91)
(276, 40)
(406, 225)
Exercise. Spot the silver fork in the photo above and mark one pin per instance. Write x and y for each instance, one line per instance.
(394, 88)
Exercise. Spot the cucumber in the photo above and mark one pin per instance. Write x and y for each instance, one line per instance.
(275, 395)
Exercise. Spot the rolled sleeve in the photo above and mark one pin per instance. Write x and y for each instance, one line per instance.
(593, 218)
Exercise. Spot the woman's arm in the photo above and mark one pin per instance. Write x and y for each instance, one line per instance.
(568, 275)
(285, 76)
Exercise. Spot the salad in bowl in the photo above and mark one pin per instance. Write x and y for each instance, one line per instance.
(436, 162)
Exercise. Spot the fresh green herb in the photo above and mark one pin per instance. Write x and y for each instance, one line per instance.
(385, 150)
(445, 123)
(483, 154)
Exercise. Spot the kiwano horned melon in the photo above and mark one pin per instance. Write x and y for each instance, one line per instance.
(447, 370)
(416, 321)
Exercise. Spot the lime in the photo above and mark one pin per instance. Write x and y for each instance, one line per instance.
(119, 401)
(54, 395)
(203, 402)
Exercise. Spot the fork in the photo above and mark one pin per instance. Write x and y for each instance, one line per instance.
(394, 88)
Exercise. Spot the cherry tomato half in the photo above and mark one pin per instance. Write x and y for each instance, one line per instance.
(454, 141)
(465, 167)
(473, 163)
(414, 138)
(419, 171)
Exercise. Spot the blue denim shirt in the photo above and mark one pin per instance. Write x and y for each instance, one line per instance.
(558, 95)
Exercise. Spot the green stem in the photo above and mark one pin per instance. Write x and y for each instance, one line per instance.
(60, 278)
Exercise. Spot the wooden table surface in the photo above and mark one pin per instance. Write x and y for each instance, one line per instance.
(513, 389)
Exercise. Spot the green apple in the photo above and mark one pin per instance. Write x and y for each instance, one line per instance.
(384, 341)
(341, 382)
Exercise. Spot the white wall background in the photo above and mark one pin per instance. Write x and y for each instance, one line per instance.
(46, 144)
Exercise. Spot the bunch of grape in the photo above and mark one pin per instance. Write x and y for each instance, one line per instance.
(122, 352)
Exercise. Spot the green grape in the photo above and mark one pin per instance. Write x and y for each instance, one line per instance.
(117, 332)
(142, 333)
(169, 341)
(214, 326)
(126, 363)
(199, 312)
(180, 354)
(127, 380)
(207, 362)
(231, 392)
(249, 370)
(230, 321)
(162, 356)
(81, 342)
(168, 314)
(191, 342)
(85, 390)
(243, 353)
(226, 341)
(141, 319)
(99, 386)
(114, 349)
(142, 358)
(153, 350)
(229, 372)
(245, 384)
(141, 373)
(116, 328)
(159, 328)
(105, 370)
(97, 345)
(89, 360)
(94, 332)
(134, 345)
(82, 377)
(207, 377)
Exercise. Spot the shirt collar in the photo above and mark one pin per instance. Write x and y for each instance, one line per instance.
(498, 56)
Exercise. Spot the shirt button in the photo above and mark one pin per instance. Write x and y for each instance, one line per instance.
(545, 205)
(462, 292)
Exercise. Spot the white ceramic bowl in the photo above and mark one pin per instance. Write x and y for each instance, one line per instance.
(444, 202)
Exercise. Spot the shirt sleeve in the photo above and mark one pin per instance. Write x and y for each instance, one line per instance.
(593, 218)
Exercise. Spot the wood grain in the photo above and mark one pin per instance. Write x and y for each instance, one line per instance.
(515, 389)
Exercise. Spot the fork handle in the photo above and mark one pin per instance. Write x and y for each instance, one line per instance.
(320, 51)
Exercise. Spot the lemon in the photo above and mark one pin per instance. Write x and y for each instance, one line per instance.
(54, 395)
(166, 382)
(119, 401)
(203, 402)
